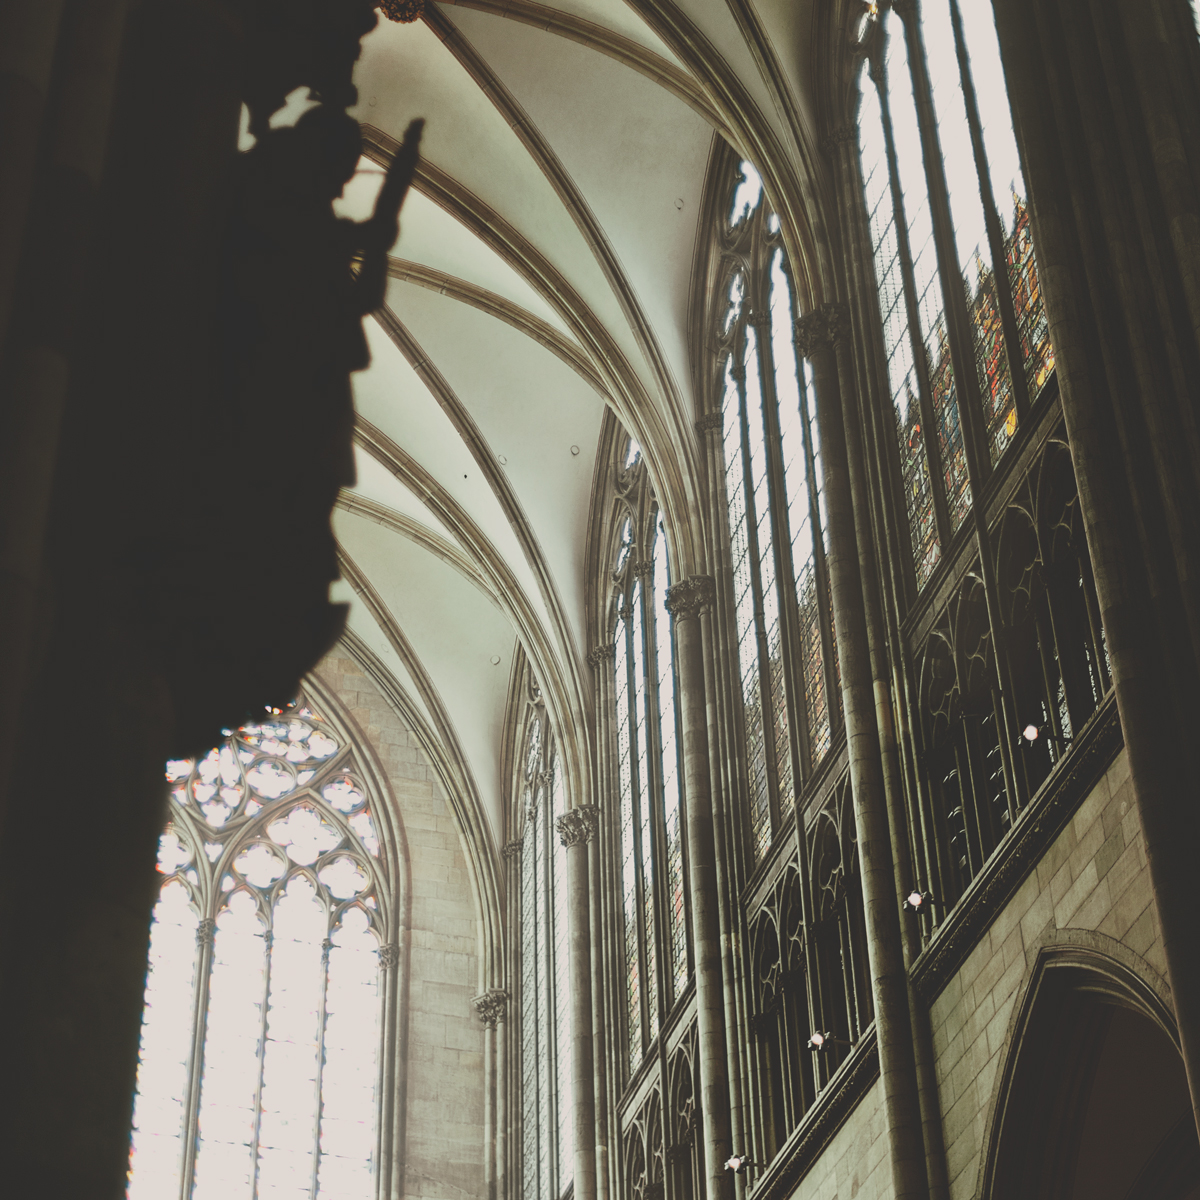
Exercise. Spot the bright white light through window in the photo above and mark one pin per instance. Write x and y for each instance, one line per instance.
(260, 1050)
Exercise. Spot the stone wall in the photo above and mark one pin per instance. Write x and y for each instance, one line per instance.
(1093, 880)
(443, 1076)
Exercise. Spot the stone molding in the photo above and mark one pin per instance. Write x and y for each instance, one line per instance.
(838, 137)
(578, 826)
(389, 955)
(826, 326)
(710, 421)
(491, 1006)
(512, 850)
(690, 597)
(605, 652)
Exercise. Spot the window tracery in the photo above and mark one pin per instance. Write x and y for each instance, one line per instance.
(774, 494)
(652, 872)
(958, 284)
(260, 1057)
(547, 1147)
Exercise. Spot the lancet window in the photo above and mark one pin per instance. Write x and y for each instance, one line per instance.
(260, 1064)
(652, 856)
(776, 512)
(547, 1145)
(965, 330)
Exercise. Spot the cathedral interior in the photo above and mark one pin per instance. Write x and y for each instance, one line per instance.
(600, 599)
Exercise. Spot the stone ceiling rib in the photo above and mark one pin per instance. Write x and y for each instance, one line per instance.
(503, 309)
(616, 45)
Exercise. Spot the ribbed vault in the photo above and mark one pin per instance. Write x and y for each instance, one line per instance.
(544, 272)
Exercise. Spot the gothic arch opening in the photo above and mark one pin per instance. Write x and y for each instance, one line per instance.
(1094, 1101)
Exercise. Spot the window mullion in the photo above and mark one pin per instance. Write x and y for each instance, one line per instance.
(785, 573)
(268, 937)
(820, 565)
(326, 947)
(658, 829)
(991, 219)
(764, 657)
(954, 298)
(204, 938)
(638, 850)
(916, 337)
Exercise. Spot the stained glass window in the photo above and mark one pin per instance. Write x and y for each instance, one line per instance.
(985, 266)
(260, 1052)
(653, 867)
(545, 1018)
(774, 490)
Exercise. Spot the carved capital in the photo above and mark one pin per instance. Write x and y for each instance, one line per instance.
(824, 327)
(690, 597)
(838, 137)
(643, 567)
(605, 652)
(578, 825)
(389, 955)
(403, 11)
(205, 932)
(491, 1006)
(512, 850)
(710, 421)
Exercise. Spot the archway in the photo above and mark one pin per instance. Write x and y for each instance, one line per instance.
(1093, 1101)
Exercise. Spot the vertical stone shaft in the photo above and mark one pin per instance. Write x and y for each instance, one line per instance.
(1081, 94)
(576, 828)
(815, 338)
(685, 601)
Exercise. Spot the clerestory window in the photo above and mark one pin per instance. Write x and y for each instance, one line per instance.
(260, 1055)
(965, 330)
(547, 1115)
(653, 879)
(776, 512)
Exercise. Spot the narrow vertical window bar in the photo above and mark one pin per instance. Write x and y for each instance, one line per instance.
(765, 815)
(879, 76)
(322, 1016)
(204, 940)
(629, 886)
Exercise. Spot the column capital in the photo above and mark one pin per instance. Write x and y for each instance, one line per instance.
(690, 597)
(578, 825)
(402, 11)
(598, 655)
(838, 137)
(824, 326)
(710, 421)
(511, 850)
(491, 1006)
(206, 931)
(389, 955)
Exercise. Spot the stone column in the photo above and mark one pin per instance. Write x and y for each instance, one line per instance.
(685, 601)
(816, 335)
(491, 1006)
(576, 828)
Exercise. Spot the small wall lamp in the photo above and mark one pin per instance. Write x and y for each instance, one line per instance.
(737, 1163)
(1032, 734)
(820, 1042)
(918, 901)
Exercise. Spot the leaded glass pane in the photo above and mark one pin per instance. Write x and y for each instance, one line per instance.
(914, 463)
(930, 303)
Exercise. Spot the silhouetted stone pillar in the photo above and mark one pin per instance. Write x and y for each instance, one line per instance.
(816, 335)
(685, 601)
(1106, 107)
(576, 828)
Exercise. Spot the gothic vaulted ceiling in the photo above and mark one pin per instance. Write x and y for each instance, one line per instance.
(543, 272)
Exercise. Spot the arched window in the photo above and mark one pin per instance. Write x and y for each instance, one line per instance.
(776, 512)
(965, 331)
(260, 1056)
(653, 881)
(545, 1020)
